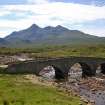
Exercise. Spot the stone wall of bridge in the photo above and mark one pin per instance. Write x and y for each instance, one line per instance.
(61, 65)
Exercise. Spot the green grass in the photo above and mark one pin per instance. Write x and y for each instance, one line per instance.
(15, 90)
(59, 51)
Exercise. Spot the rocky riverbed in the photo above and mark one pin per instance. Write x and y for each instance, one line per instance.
(91, 89)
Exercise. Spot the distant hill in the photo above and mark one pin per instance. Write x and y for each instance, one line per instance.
(34, 35)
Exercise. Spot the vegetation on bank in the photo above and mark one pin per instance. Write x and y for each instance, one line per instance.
(15, 90)
(59, 51)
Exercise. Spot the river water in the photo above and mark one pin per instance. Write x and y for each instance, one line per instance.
(98, 97)
(92, 96)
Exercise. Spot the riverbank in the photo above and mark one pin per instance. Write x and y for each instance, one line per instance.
(19, 90)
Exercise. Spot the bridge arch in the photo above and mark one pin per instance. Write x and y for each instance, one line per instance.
(83, 69)
(52, 72)
(86, 68)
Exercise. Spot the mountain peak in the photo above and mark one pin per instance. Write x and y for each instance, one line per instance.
(59, 27)
(34, 26)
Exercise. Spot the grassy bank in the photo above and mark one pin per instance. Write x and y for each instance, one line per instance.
(59, 51)
(15, 90)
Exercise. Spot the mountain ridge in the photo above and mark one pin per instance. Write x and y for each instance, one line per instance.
(49, 35)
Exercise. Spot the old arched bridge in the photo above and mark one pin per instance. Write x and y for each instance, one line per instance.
(61, 66)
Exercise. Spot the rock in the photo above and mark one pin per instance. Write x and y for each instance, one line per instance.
(89, 104)
(93, 89)
(92, 101)
(84, 99)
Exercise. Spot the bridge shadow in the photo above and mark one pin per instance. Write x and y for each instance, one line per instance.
(59, 74)
(102, 68)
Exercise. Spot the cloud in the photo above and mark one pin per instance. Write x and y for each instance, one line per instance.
(37, 1)
(45, 13)
(3, 13)
(69, 11)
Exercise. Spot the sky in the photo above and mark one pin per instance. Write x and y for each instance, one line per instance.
(84, 15)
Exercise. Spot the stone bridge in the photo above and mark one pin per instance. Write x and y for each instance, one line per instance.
(61, 65)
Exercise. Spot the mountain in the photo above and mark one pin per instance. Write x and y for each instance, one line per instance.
(34, 35)
(3, 42)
